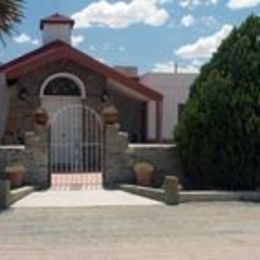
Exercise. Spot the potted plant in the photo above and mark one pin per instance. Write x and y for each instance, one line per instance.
(14, 173)
(41, 116)
(143, 172)
(110, 115)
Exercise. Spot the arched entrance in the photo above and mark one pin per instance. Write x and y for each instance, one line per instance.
(61, 90)
(75, 134)
(76, 148)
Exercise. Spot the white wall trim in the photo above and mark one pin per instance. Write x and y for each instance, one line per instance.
(71, 76)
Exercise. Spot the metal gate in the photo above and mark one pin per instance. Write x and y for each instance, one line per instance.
(76, 146)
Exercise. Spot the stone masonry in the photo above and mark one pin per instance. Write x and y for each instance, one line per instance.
(162, 156)
(10, 153)
(33, 156)
(36, 159)
(120, 158)
(20, 113)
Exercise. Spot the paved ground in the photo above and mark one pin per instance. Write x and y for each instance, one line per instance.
(194, 231)
(81, 198)
(76, 181)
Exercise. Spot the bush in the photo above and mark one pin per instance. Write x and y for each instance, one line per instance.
(218, 136)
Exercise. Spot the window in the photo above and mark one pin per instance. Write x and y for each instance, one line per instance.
(62, 86)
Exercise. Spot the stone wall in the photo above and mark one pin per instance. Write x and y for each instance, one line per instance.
(34, 156)
(162, 156)
(117, 164)
(121, 158)
(10, 153)
(20, 114)
(36, 159)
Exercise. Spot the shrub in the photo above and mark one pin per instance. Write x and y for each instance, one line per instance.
(218, 136)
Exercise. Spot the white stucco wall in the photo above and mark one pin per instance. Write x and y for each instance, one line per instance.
(53, 32)
(175, 89)
(4, 103)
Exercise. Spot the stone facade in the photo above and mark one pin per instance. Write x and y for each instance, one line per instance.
(36, 159)
(117, 163)
(121, 158)
(33, 156)
(10, 153)
(20, 115)
(4, 193)
(162, 156)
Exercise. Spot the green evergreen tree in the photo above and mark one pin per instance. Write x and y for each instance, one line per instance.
(218, 136)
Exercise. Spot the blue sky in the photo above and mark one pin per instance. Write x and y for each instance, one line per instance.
(151, 34)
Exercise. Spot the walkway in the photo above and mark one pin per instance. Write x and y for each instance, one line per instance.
(81, 198)
(76, 181)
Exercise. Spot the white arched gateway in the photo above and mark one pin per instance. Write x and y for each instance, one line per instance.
(75, 133)
(61, 90)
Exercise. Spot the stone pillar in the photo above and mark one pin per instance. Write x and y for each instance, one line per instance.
(36, 158)
(171, 188)
(4, 193)
(116, 158)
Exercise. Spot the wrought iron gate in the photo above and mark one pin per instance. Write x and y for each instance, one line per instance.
(76, 142)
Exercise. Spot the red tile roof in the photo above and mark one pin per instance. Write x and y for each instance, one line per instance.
(60, 50)
(56, 19)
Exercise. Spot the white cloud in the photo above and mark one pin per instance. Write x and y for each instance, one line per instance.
(77, 40)
(208, 20)
(102, 60)
(239, 4)
(194, 3)
(121, 48)
(214, 2)
(189, 3)
(92, 48)
(35, 42)
(121, 14)
(163, 2)
(187, 20)
(169, 67)
(24, 38)
(204, 47)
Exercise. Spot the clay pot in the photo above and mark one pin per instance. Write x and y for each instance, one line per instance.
(144, 178)
(144, 173)
(41, 116)
(15, 175)
(110, 115)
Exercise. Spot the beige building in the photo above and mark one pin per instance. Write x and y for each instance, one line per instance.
(57, 76)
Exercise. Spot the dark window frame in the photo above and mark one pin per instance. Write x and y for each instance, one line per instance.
(62, 86)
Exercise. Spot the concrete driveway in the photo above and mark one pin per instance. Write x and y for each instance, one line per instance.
(212, 231)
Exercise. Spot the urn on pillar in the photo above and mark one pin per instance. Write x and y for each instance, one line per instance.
(41, 116)
(110, 115)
